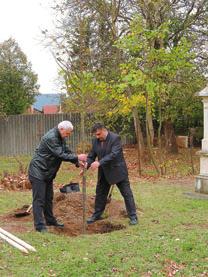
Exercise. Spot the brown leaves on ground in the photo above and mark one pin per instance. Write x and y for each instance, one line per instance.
(172, 165)
(18, 181)
(175, 166)
(171, 268)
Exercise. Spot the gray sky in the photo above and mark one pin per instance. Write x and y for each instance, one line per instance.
(23, 20)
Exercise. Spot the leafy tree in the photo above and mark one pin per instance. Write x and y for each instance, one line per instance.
(159, 74)
(76, 68)
(186, 19)
(168, 28)
(18, 83)
(86, 34)
(84, 96)
(85, 52)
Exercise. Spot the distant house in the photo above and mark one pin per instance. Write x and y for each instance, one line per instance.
(46, 104)
(49, 109)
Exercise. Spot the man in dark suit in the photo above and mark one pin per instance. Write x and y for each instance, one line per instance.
(112, 169)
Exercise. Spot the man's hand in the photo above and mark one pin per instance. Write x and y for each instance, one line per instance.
(82, 164)
(95, 165)
(84, 167)
(82, 157)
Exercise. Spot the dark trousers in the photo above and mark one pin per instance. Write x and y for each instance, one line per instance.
(42, 192)
(102, 190)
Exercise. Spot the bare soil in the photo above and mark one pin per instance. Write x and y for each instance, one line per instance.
(68, 208)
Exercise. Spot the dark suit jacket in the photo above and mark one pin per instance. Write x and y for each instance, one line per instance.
(111, 158)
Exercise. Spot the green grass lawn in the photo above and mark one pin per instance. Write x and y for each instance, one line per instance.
(171, 238)
(12, 164)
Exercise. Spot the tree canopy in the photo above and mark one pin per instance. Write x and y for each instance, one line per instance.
(164, 54)
(18, 83)
(150, 57)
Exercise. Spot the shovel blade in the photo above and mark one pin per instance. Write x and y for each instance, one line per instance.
(21, 214)
(24, 213)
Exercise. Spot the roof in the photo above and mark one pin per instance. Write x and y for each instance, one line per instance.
(50, 109)
(42, 100)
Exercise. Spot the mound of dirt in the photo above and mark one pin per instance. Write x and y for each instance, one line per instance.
(68, 208)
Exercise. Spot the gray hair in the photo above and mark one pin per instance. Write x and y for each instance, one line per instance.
(65, 125)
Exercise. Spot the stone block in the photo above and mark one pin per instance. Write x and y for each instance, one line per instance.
(182, 141)
(201, 184)
(203, 165)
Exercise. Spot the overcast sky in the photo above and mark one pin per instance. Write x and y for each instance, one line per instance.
(23, 21)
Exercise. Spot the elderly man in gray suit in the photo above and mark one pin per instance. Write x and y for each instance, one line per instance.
(112, 169)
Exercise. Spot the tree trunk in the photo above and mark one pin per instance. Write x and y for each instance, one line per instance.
(149, 145)
(82, 131)
(170, 138)
(139, 137)
(159, 127)
(161, 155)
(150, 124)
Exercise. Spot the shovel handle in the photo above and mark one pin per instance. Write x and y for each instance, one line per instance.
(29, 208)
(110, 194)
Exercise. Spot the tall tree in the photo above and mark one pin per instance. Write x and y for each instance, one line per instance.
(101, 20)
(85, 51)
(18, 83)
(109, 20)
(186, 18)
(159, 73)
(75, 62)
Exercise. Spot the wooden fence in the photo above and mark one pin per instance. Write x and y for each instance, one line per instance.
(20, 134)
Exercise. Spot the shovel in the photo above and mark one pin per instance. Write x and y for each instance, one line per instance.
(24, 213)
(110, 194)
(106, 212)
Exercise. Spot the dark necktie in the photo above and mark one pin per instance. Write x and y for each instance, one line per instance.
(102, 145)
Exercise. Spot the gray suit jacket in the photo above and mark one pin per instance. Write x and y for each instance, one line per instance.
(111, 158)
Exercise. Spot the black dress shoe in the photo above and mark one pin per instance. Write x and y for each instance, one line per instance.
(133, 221)
(42, 230)
(93, 218)
(56, 224)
